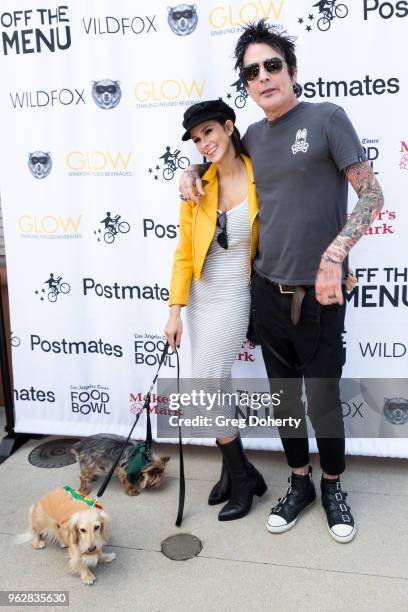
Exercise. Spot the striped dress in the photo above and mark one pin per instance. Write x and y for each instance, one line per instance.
(218, 313)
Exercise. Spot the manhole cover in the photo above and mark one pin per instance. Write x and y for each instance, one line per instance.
(181, 546)
(54, 454)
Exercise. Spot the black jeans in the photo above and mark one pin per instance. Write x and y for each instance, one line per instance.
(309, 352)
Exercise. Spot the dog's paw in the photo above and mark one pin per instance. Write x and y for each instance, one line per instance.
(108, 557)
(39, 544)
(131, 491)
(88, 578)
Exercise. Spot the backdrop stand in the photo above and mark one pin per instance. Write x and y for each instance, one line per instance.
(12, 441)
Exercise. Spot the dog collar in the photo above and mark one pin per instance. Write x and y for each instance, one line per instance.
(79, 496)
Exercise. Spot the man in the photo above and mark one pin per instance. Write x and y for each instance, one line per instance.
(304, 155)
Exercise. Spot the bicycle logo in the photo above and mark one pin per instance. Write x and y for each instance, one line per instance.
(329, 9)
(112, 227)
(171, 161)
(55, 288)
(241, 93)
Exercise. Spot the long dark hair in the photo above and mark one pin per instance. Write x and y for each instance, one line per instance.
(235, 138)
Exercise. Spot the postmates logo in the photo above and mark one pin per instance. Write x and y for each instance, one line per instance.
(49, 227)
(99, 163)
(322, 15)
(169, 92)
(168, 163)
(56, 288)
(229, 18)
(237, 94)
(113, 226)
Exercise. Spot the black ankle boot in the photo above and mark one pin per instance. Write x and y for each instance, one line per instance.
(246, 481)
(221, 491)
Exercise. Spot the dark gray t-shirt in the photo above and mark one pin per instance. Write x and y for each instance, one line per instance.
(298, 163)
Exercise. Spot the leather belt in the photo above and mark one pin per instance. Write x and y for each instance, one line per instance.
(298, 292)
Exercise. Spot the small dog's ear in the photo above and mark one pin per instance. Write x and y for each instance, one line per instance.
(104, 525)
(165, 459)
(72, 531)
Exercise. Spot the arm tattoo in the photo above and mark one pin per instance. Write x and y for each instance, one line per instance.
(369, 204)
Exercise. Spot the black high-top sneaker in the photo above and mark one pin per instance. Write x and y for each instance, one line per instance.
(300, 495)
(340, 521)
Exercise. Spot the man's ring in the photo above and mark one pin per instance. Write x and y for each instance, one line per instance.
(182, 197)
(331, 297)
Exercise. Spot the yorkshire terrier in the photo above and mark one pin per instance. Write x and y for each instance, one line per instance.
(96, 455)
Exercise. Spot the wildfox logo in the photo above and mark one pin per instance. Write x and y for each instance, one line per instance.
(106, 93)
(300, 143)
(327, 10)
(112, 228)
(182, 19)
(171, 162)
(55, 288)
(40, 164)
(396, 410)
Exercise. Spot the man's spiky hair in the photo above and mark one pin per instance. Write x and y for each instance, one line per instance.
(262, 32)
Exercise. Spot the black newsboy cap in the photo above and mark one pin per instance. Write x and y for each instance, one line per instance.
(203, 111)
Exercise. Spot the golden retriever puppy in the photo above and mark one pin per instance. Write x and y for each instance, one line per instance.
(63, 516)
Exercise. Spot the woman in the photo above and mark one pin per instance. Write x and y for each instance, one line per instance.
(211, 273)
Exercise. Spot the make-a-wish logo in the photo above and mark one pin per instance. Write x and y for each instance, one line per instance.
(40, 164)
(106, 93)
(396, 410)
(172, 161)
(112, 228)
(55, 288)
(326, 11)
(182, 19)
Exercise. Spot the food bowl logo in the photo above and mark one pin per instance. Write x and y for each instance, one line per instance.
(182, 19)
(40, 164)
(396, 410)
(106, 93)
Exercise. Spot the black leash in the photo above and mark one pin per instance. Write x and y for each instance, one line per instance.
(146, 406)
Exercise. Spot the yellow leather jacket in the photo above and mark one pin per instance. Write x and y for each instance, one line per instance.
(197, 227)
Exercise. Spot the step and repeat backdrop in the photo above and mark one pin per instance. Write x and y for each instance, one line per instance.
(91, 108)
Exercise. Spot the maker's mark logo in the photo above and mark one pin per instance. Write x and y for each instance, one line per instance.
(182, 19)
(326, 11)
(404, 159)
(56, 287)
(396, 410)
(172, 161)
(112, 228)
(106, 93)
(300, 143)
(40, 164)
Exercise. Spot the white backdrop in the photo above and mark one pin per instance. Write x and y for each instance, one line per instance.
(93, 93)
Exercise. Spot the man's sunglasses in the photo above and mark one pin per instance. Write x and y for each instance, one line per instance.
(222, 236)
(272, 65)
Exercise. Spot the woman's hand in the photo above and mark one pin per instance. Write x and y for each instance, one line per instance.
(174, 328)
(190, 185)
(351, 280)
